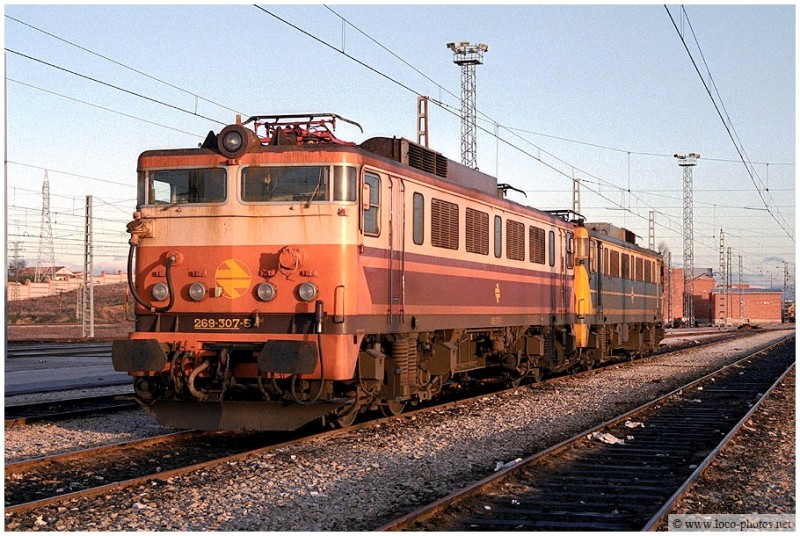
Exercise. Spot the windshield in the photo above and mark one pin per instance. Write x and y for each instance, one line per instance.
(281, 183)
(187, 186)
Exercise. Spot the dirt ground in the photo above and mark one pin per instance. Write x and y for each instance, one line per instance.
(36, 332)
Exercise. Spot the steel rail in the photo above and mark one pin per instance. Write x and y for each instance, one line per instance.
(425, 512)
(91, 492)
(22, 467)
(22, 414)
(659, 516)
(93, 452)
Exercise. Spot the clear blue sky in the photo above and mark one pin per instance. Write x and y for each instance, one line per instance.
(610, 76)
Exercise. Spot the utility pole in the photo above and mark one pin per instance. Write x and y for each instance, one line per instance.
(576, 196)
(741, 294)
(729, 283)
(651, 230)
(669, 286)
(785, 294)
(422, 120)
(87, 321)
(723, 305)
(468, 56)
(687, 162)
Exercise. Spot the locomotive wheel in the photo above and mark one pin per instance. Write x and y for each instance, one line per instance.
(345, 417)
(535, 375)
(390, 409)
(513, 381)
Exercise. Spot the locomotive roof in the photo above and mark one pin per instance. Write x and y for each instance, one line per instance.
(625, 238)
(399, 151)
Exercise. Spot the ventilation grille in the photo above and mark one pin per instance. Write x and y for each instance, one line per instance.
(425, 159)
(444, 224)
(537, 244)
(477, 232)
(614, 264)
(515, 240)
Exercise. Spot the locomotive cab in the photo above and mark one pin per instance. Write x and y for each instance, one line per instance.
(244, 256)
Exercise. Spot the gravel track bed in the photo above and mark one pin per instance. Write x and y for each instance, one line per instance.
(49, 438)
(362, 479)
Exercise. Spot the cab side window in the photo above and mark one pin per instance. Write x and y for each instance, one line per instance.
(419, 219)
(372, 214)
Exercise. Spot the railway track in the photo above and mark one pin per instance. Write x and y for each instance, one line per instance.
(15, 350)
(584, 484)
(22, 414)
(39, 483)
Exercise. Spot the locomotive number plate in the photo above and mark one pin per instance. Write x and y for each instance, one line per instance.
(227, 323)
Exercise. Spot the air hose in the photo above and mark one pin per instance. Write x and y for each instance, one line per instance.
(149, 306)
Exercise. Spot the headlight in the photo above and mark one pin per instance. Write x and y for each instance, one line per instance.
(197, 291)
(160, 291)
(307, 291)
(266, 291)
(234, 140)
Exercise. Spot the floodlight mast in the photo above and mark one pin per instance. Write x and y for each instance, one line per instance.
(468, 56)
(687, 162)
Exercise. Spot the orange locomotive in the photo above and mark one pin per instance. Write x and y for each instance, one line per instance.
(285, 276)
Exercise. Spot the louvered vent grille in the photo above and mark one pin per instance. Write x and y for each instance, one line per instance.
(444, 224)
(426, 160)
(477, 232)
(515, 240)
(614, 264)
(536, 236)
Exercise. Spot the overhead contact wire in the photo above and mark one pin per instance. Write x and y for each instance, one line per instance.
(107, 84)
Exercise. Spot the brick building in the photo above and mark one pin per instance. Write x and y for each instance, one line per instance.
(760, 306)
(702, 287)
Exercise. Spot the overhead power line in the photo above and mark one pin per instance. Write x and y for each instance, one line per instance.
(128, 184)
(728, 124)
(104, 108)
(510, 129)
(123, 65)
(638, 153)
(118, 88)
(457, 114)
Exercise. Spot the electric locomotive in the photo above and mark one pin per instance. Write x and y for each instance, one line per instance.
(284, 276)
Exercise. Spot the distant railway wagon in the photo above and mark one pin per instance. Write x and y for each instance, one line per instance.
(284, 276)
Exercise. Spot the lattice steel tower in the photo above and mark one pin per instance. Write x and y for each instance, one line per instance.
(46, 259)
(468, 56)
(687, 162)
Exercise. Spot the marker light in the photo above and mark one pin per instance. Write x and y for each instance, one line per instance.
(307, 291)
(160, 291)
(197, 291)
(266, 292)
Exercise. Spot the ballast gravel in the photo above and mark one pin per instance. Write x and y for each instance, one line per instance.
(362, 479)
(47, 439)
